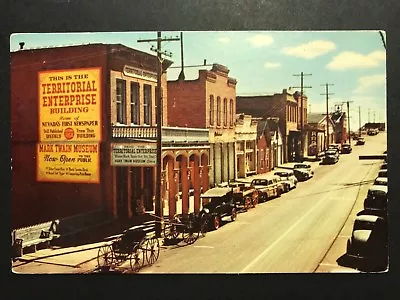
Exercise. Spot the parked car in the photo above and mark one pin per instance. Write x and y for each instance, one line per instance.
(338, 147)
(369, 240)
(346, 149)
(266, 187)
(382, 173)
(376, 199)
(381, 181)
(281, 185)
(302, 171)
(331, 156)
(360, 141)
(384, 166)
(244, 195)
(218, 203)
(287, 176)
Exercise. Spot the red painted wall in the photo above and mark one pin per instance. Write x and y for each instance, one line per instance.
(187, 104)
(32, 201)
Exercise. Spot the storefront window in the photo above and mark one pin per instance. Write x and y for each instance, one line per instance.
(147, 104)
(135, 103)
(218, 111)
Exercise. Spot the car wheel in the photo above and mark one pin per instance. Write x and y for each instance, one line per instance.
(233, 214)
(216, 222)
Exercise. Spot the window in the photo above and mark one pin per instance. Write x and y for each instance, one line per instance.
(147, 104)
(232, 112)
(134, 102)
(211, 110)
(218, 111)
(225, 112)
(121, 101)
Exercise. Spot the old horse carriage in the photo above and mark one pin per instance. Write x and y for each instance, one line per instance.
(244, 195)
(190, 226)
(133, 245)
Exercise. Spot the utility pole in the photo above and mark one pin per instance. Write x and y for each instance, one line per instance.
(157, 205)
(348, 118)
(368, 116)
(359, 121)
(327, 110)
(302, 87)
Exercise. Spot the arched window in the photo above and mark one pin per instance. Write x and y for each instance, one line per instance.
(232, 113)
(211, 110)
(225, 112)
(218, 111)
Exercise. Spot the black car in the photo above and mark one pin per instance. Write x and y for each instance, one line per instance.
(360, 141)
(376, 199)
(346, 148)
(218, 203)
(369, 240)
(331, 156)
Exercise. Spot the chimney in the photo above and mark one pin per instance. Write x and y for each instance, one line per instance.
(21, 45)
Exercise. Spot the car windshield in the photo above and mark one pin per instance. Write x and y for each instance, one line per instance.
(300, 166)
(330, 152)
(260, 181)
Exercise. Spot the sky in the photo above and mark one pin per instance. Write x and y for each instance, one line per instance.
(353, 63)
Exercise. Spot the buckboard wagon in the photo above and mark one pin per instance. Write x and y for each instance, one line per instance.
(133, 245)
(244, 196)
(190, 226)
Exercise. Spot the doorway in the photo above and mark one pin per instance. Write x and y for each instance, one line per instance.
(122, 192)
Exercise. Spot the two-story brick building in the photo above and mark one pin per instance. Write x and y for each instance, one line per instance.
(208, 102)
(287, 107)
(83, 121)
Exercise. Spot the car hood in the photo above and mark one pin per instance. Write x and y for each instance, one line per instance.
(361, 236)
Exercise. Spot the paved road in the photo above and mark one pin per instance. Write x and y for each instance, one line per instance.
(290, 234)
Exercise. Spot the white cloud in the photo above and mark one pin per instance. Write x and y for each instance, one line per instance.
(365, 83)
(261, 40)
(271, 65)
(310, 50)
(224, 40)
(353, 60)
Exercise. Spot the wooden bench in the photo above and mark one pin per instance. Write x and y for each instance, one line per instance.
(32, 236)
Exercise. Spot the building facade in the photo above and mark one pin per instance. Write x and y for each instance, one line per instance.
(84, 133)
(317, 133)
(246, 146)
(287, 107)
(340, 120)
(263, 147)
(208, 102)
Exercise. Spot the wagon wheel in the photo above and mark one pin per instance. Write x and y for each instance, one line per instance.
(255, 199)
(190, 235)
(216, 222)
(170, 232)
(137, 257)
(105, 257)
(203, 225)
(233, 214)
(247, 203)
(152, 248)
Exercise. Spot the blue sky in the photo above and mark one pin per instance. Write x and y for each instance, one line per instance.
(263, 62)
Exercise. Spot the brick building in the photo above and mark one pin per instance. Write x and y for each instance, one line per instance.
(339, 118)
(208, 102)
(287, 107)
(84, 133)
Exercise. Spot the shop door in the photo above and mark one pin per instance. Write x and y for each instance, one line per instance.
(122, 191)
(148, 188)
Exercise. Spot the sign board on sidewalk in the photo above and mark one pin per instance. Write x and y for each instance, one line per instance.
(134, 154)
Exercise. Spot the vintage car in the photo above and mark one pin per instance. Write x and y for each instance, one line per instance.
(302, 171)
(381, 181)
(331, 157)
(360, 141)
(384, 166)
(288, 177)
(267, 188)
(346, 149)
(218, 203)
(338, 147)
(369, 240)
(376, 199)
(244, 195)
(382, 173)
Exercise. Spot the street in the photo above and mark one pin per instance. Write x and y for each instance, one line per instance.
(289, 234)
